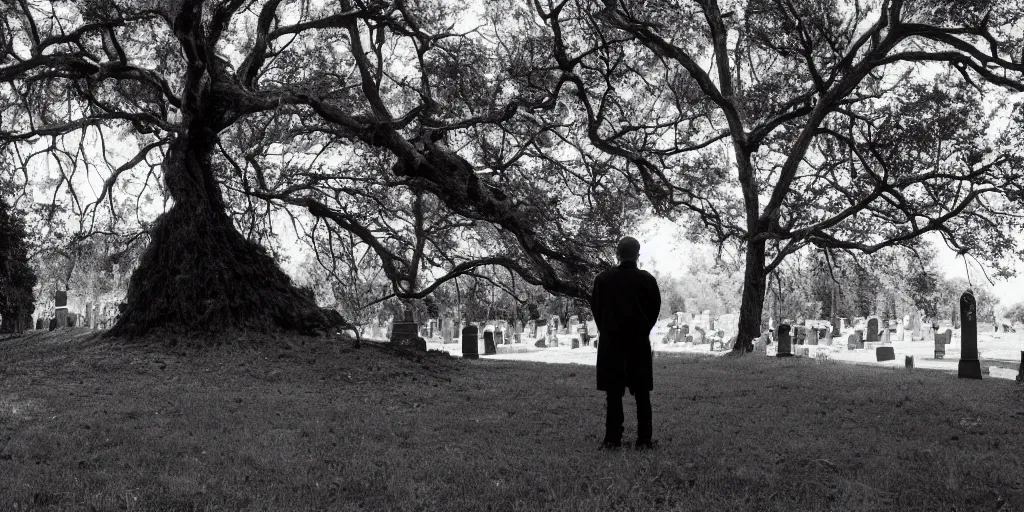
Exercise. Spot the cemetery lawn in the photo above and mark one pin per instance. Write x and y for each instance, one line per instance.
(89, 425)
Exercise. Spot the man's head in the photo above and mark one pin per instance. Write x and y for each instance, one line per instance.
(628, 249)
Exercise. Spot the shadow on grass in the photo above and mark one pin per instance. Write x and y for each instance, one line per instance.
(312, 424)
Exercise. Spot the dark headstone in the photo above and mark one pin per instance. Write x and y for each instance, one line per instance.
(872, 333)
(407, 335)
(812, 336)
(39, 324)
(61, 299)
(489, 348)
(72, 319)
(575, 342)
(970, 366)
(799, 335)
(53, 323)
(540, 344)
(785, 344)
(908, 361)
(885, 354)
(62, 317)
(689, 339)
(469, 342)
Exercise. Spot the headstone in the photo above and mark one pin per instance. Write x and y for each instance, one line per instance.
(698, 335)
(53, 323)
(785, 344)
(489, 348)
(575, 342)
(908, 361)
(941, 340)
(885, 354)
(540, 343)
(856, 340)
(61, 314)
(531, 329)
(872, 330)
(836, 331)
(499, 337)
(970, 366)
(405, 334)
(799, 334)
(470, 348)
(812, 336)
(826, 338)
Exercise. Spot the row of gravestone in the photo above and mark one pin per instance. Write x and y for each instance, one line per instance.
(969, 365)
(471, 341)
(95, 317)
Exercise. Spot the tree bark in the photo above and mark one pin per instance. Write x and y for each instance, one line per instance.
(754, 286)
(199, 274)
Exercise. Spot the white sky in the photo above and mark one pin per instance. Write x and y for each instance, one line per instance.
(662, 249)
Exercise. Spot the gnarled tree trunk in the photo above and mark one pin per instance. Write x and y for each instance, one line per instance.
(199, 273)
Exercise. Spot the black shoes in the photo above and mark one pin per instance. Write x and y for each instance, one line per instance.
(639, 445)
(645, 445)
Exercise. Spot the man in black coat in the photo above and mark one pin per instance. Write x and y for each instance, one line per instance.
(625, 303)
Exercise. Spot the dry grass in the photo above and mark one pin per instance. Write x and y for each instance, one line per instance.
(89, 425)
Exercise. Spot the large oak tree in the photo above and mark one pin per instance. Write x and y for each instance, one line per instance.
(783, 124)
(193, 85)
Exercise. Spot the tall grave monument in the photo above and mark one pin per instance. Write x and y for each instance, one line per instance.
(470, 348)
(970, 366)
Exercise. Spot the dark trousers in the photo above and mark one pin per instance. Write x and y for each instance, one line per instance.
(613, 423)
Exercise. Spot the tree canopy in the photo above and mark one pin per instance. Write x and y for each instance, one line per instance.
(435, 139)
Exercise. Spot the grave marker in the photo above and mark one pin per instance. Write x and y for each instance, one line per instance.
(941, 340)
(872, 332)
(489, 348)
(785, 344)
(969, 366)
(470, 349)
(885, 354)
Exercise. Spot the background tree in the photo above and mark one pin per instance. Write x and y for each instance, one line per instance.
(778, 125)
(17, 279)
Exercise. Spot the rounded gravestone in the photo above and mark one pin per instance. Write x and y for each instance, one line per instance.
(969, 366)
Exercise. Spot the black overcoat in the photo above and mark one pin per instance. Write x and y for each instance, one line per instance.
(625, 303)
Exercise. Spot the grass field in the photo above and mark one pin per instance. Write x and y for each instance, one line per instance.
(87, 425)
